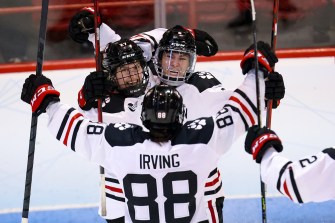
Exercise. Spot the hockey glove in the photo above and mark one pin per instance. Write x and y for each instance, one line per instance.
(266, 58)
(206, 45)
(274, 88)
(96, 86)
(258, 140)
(81, 24)
(38, 92)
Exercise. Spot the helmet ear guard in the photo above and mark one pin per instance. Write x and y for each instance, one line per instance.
(162, 112)
(175, 42)
(119, 55)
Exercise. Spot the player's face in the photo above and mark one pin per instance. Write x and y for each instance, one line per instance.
(129, 75)
(175, 64)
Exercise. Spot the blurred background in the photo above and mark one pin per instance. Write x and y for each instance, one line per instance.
(302, 24)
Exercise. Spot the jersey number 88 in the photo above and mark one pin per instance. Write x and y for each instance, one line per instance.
(171, 198)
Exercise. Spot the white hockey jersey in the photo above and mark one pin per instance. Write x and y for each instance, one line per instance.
(202, 94)
(310, 179)
(197, 103)
(176, 180)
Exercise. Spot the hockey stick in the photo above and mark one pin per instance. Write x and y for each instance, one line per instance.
(273, 47)
(263, 192)
(97, 20)
(33, 128)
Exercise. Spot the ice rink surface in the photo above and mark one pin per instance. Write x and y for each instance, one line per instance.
(305, 121)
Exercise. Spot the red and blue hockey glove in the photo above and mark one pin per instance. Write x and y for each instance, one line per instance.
(97, 85)
(258, 140)
(274, 88)
(39, 92)
(81, 24)
(266, 58)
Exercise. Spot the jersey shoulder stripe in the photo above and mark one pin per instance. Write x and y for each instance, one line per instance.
(197, 131)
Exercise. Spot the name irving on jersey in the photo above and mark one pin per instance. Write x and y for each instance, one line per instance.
(159, 161)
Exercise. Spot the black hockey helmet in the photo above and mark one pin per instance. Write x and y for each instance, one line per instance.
(175, 40)
(121, 54)
(162, 112)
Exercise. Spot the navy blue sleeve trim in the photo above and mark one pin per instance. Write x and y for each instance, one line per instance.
(74, 135)
(246, 126)
(62, 126)
(295, 187)
(214, 191)
(282, 170)
(213, 172)
(247, 99)
(115, 197)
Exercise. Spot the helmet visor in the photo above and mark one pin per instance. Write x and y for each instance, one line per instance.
(175, 66)
(131, 78)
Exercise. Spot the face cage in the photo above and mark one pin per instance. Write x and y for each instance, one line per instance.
(132, 85)
(182, 76)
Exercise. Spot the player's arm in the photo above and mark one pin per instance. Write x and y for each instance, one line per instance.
(148, 41)
(66, 123)
(309, 179)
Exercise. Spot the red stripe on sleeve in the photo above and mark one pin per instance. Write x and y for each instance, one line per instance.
(286, 190)
(213, 182)
(69, 127)
(244, 108)
(115, 189)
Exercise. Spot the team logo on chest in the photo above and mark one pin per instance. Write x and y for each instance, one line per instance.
(132, 106)
(197, 124)
(123, 126)
(205, 75)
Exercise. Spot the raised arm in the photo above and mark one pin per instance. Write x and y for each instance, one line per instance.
(310, 179)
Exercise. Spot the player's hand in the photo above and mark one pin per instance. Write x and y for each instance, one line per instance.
(38, 92)
(274, 88)
(81, 24)
(97, 86)
(258, 140)
(205, 43)
(266, 58)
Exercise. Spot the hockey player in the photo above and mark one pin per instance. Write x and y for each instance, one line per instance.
(310, 179)
(176, 49)
(159, 171)
(125, 106)
(151, 163)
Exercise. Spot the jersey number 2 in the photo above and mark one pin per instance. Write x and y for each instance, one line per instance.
(171, 198)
